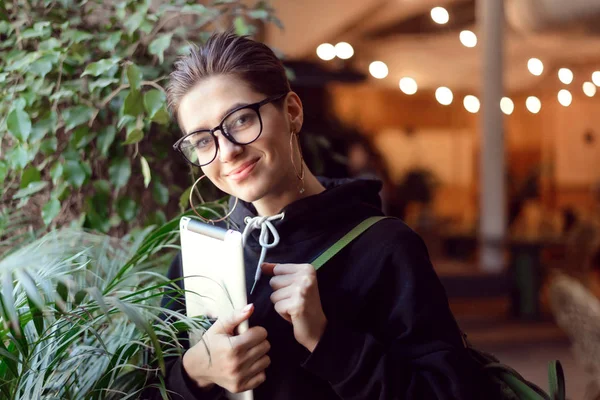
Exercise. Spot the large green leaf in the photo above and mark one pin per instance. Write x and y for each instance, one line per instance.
(32, 188)
(127, 208)
(154, 100)
(100, 67)
(159, 45)
(241, 27)
(82, 137)
(133, 23)
(74, 173)
(145, 171)
(39, 30)
(49, 146)
(3, 171)
(160, 193)
(110, 43)
(45, 125)
(50, 210)
(56, 172)
(19, 124)
(18, 157)
(134, 76)
(119, 172)
(41, 67)
(77, 115)
(30, 174)
(101, 83)
(134, 135)
(77, 36)
(50, 44)
(105, 138)
(133, 104)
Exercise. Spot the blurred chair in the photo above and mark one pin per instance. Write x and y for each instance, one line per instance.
(577, 312)
(581, 243)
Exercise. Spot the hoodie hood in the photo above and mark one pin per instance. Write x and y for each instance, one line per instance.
(344, 203)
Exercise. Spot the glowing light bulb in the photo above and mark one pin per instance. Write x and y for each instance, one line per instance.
(589, 89)
(565, 75)
(507, 106)
(378, 69)
(440, 15)
(565, 98)
(326, 51)
(444, 96)
(408, 85)
(468, 39)
(533, 104)
(344, 50)
(471, 104)
(596, 78)
(535, 66)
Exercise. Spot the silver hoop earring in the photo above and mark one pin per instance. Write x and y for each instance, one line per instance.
(208, 221)
(299, 175)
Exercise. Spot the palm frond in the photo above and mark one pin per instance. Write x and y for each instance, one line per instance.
(80, 314)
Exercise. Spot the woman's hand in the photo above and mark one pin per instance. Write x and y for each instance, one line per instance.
(236, 363)
(296, 298)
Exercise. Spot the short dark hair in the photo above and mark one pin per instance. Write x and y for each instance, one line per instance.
(225, 53)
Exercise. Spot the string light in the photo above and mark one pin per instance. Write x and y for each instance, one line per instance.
(507, 106)
(564, 97)
(471, 104)
(589, 89)
(596, 78)
(535, 66)
(468, 38)
(565, 75)
(444, 96)
(440, 15)
(378, 69)
(533, 104)
(326, 51)
(408, 85)
(344, 50)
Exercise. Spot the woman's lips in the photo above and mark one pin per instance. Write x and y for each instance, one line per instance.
(243, 172)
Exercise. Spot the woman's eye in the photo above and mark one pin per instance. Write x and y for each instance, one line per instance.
(201, 143)
(242, 120)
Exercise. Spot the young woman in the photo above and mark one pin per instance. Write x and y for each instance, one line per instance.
(373, 323)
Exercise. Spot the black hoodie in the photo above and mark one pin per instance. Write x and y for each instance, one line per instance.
(390, 333)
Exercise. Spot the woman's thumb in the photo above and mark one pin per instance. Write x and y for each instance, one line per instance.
(229, 323)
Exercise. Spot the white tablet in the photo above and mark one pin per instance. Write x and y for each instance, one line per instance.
(214, 276)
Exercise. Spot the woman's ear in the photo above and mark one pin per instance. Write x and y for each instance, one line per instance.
(295, 111)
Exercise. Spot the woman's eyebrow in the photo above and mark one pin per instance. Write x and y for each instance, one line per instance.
(223, 115)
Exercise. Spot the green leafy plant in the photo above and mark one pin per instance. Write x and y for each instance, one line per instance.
(80, 314)
(82, 104)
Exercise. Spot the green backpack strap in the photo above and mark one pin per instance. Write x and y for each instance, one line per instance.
(346, 240)
(556, 380)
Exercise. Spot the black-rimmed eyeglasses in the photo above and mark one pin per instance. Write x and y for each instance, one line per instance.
(241, 126)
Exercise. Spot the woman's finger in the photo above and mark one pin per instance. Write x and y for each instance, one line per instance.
(281, 281)
(283, 293)
(255, 381)
(258, 366)
(280, 269)
(284, 307)
(255, 354)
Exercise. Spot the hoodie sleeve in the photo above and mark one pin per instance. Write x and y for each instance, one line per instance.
(178, 383)
(410, 348)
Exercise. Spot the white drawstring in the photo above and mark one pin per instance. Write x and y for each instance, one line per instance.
(265, 225)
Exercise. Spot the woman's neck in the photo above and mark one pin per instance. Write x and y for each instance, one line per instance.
(275, 202)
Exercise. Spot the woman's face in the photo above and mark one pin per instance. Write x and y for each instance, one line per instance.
(256, 170)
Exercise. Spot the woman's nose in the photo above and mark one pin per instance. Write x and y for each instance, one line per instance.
(228, 151)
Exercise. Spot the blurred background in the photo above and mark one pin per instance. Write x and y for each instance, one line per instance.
(483, 122)
(481, 118)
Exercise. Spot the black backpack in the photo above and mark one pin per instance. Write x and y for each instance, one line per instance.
(508, 382)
